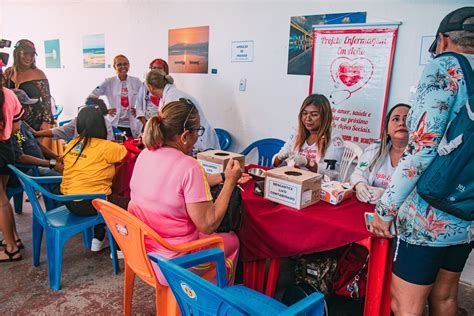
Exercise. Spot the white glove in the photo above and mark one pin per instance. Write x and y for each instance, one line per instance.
(283, 154)
(362, 192)
(376, 194)
(298, 160)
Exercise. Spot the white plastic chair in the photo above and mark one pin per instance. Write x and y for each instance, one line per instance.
(351, 151)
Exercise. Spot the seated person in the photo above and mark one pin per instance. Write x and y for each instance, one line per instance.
(29, 151)
(69, 130)
(173, 196)
(89, 167)
(379, 160)
(315, 140)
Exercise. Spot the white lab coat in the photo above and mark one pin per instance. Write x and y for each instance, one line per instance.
(207, 141)
(112, 89)
(143, 105)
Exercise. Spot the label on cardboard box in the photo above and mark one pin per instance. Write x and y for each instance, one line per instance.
(283, 191)
(211, 167)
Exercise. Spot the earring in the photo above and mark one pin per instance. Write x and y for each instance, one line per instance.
(184, 143)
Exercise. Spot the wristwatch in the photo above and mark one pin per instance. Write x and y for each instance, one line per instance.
(223, 176)
(52, 163)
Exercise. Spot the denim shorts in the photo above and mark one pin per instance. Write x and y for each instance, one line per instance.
(421, 264)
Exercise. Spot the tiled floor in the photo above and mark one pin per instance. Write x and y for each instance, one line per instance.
(88, 283)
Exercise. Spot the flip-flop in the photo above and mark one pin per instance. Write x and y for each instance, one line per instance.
(18, 242)
(11, 255)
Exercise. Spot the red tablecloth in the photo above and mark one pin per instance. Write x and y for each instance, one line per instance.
(124, 169)
(271, 230)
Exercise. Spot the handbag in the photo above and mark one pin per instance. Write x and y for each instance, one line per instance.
(350, 278)
(233, 216)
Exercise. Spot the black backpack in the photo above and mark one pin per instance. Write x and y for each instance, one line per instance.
(233, 216)
(448, 183)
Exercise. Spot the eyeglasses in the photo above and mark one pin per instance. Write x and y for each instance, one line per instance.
(122, 64)
(200, 130)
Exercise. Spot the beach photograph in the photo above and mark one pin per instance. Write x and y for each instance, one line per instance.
(93, 51)
(188, 49)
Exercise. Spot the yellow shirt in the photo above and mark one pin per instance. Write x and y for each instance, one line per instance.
(94, 169)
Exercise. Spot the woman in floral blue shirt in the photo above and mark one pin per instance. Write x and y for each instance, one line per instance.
(432, 246)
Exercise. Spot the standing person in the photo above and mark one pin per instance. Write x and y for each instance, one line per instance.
(173, 196)
(147, 103)
(315, 140)
(121, 92)
(379, 160)
(433, 246)
(89, 167)
(10, 115)
(161, 85)
(26, 76)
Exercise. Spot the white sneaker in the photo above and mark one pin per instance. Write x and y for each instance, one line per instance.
(98, 245)
(119, 254)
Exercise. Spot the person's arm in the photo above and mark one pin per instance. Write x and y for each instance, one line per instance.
(426, 124)
(30, 160)
(67, 131)
(48, 152)
(361, 172)
(286, 151)
(207, 216)
(214, 179)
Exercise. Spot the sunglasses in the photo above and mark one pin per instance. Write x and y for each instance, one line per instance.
(201, 129)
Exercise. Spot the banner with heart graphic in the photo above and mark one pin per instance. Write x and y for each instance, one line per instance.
(352, 67)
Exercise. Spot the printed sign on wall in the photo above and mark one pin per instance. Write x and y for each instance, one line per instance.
(351, 67)
(242, 51)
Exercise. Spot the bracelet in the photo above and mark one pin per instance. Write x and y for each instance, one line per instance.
(223, 176)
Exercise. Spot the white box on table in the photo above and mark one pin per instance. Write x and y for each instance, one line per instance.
(292, 187)
(215, 161)
(334, 192)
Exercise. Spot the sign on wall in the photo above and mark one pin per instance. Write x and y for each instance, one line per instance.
(242, 51)
(352, 67)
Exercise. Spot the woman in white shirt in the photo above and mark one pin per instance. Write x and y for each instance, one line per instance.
(147, 103)
(121, 92)
(315, 140)
(380, 159)
(160, 84)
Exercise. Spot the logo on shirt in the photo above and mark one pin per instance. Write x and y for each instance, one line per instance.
(78, 147)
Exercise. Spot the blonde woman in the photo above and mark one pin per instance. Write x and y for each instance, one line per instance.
(315, 140)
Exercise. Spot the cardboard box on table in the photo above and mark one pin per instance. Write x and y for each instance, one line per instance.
(334, 192)
(215, 161)
(292, 187)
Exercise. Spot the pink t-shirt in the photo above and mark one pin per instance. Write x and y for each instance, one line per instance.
(12, 110)
(163, 182)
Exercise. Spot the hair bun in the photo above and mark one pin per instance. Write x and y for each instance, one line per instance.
(169, 79)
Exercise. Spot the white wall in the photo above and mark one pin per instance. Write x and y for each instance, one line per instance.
(139, 29)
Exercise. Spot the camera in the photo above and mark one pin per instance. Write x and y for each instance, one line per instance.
(4, 56)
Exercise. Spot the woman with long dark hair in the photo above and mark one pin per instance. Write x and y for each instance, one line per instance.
(315, 140)
(10, 115)
(89, 167)
(25, 75)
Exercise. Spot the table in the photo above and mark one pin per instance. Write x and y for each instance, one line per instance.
(270, 231)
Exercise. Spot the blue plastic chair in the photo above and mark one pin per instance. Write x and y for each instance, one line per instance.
(64, 122)
(267, 148)
(58, 109)
(59, 224)
(196, 296)
(225, 140)
(17, 192)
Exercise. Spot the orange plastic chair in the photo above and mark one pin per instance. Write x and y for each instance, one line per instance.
(130, 232)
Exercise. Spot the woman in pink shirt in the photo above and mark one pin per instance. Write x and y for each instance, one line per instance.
(10, 115)
(170, 190)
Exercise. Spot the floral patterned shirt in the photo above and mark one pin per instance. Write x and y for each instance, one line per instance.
(440, 94)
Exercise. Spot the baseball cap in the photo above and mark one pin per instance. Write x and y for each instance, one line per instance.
(26, 45)
(24, 98)
(454, 21)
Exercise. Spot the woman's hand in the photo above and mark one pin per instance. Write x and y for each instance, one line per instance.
(112, 111)
(362, 192)
(380, 227)
(376, 194)
(244, 178)
(233, 172)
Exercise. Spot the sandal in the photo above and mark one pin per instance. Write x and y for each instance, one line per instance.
(11, 255)
(18, 242)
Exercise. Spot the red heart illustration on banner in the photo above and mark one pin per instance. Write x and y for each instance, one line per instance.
(350, 74)
(353, 73)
